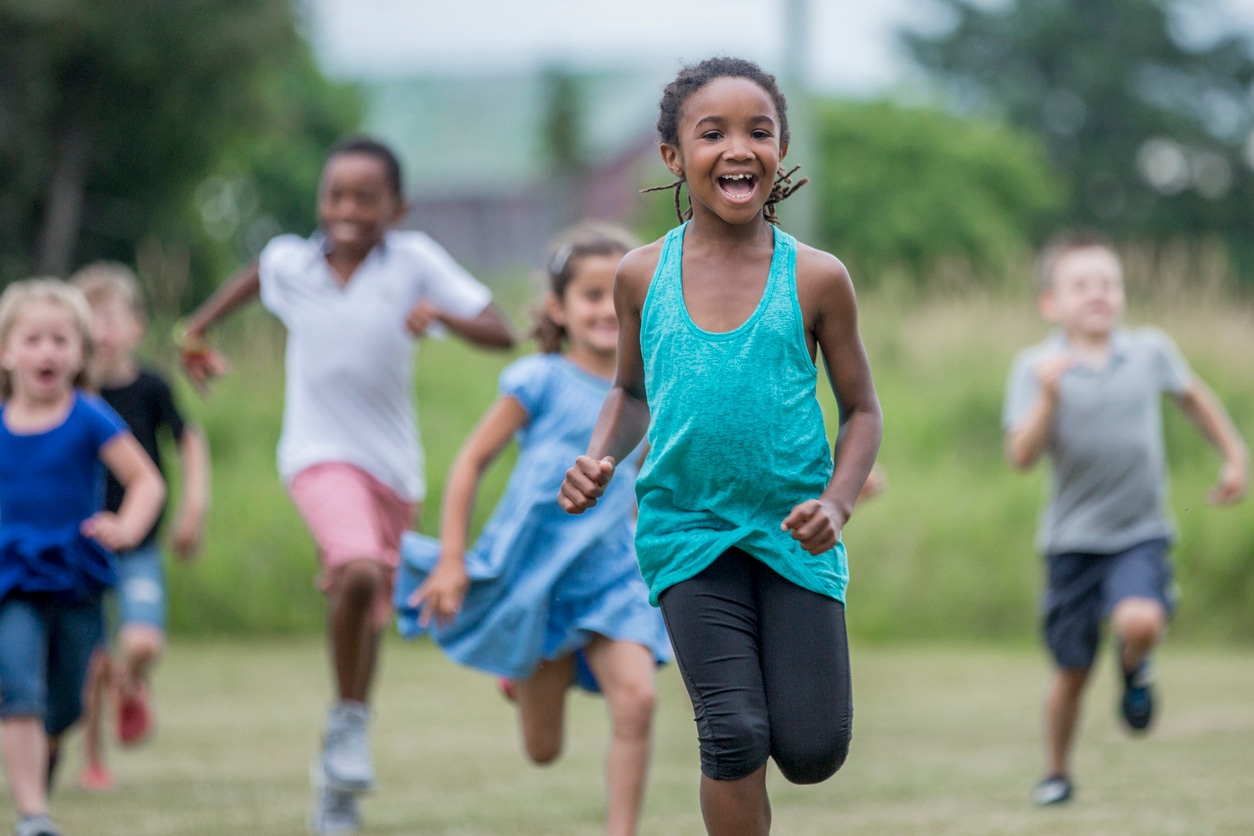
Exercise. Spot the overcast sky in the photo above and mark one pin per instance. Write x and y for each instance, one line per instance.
(850, 46)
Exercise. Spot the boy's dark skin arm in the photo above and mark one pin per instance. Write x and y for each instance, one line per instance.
(199, 361)
(827, 299)
(487, 328)
(624, 417)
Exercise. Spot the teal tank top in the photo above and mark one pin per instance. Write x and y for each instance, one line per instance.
(736, 434)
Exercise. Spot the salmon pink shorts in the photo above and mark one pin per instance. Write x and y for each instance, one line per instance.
(352, 516)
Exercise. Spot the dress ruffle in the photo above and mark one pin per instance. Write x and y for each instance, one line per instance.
(59, 563)
(531, 601)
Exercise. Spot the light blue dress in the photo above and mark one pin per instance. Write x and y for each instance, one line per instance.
(543, 582)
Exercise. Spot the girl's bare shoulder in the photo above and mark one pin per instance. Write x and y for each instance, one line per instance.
(635, 271)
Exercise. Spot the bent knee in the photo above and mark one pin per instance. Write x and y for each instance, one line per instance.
(735, 748)
(543, 751)
(142, 643)
(359, 580)
(813, 759)
(632, 710)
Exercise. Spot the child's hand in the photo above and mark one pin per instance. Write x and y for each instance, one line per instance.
(815, 524)
(874, 484)
(1049, 371)
(584, 484)
(441, 596)
(106, 528)
(1234, 480)
(421, 317)
(188, 532)
(201, 364)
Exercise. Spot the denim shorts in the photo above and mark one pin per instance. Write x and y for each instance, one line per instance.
(141, 588)
(45, 650)
(1085, 588)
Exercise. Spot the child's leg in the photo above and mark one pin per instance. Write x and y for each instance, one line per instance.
(625, 671)
(805, 670)
(99, 682)
(357, 524)
(141, 605)
(25, 749)
(713, 622)
(1062, 714)
(541, 700)
(23, 702)
(1073, 615)
(1138, 595)
(1139, 623)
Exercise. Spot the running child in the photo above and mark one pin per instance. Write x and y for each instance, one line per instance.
(741, 506)
(544, 598)
(144, 400)
(56, 539)
(1090, 397)
(354, 299)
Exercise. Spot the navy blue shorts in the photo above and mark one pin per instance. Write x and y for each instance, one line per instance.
(1085, 588)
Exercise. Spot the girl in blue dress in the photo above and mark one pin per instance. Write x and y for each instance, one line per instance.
(56, 541)
(545, 598)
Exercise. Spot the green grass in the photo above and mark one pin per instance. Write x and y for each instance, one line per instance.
(946, 741)
(946, 552)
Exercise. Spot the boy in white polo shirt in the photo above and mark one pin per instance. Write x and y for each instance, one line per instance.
(1090, 397)
(353, 299)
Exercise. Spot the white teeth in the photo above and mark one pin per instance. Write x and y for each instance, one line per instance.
(736, 176)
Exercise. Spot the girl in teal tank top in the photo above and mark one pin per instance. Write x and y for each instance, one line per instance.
(741, 504)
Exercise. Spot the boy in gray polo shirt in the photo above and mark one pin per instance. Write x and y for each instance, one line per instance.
(1089, 396)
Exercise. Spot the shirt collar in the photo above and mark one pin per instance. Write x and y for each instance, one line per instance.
(322, 246)
(1118, 341)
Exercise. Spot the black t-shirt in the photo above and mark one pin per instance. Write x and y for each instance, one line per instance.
(146, 404)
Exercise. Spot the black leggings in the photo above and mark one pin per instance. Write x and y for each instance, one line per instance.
(767, 666)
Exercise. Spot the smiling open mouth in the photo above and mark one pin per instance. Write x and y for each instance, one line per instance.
(737, 186)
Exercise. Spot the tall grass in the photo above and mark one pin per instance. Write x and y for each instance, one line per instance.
(946, 551)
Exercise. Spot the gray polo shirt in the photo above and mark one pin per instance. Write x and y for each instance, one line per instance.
(1109, 473)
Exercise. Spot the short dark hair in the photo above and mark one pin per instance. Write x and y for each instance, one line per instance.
(1065, 242)
(372, 148)
(695, 76)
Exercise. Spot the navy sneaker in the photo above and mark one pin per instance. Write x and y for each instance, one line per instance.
(1137, 705)
(1055, 789)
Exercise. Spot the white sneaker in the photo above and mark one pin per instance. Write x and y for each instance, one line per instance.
(333, 811)
(346, 750)
(39, 825)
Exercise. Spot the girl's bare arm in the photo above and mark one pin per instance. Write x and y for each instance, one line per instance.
(624, 416)
(441, 594)
(141, 503)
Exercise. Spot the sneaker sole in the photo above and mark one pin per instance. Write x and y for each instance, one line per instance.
(317, 777)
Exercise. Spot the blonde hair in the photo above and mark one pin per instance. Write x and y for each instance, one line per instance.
(570, 248)
(19, 295)
(103, 281)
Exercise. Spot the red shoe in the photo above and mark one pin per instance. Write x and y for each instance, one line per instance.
(509, 688)
(96, 777)
(134, 716)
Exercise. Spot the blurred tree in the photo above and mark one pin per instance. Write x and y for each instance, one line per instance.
(113, 114)
(906, 188)
(1143, 105)
(564, 137)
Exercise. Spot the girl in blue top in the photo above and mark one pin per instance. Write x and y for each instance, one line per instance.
(543, 598)
(56, 542)
(741, 507)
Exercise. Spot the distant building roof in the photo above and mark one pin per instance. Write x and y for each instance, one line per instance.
(485, 134)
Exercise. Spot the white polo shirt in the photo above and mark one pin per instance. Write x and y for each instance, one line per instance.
(350, 358)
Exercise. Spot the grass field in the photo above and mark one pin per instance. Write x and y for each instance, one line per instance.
(946, 742)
